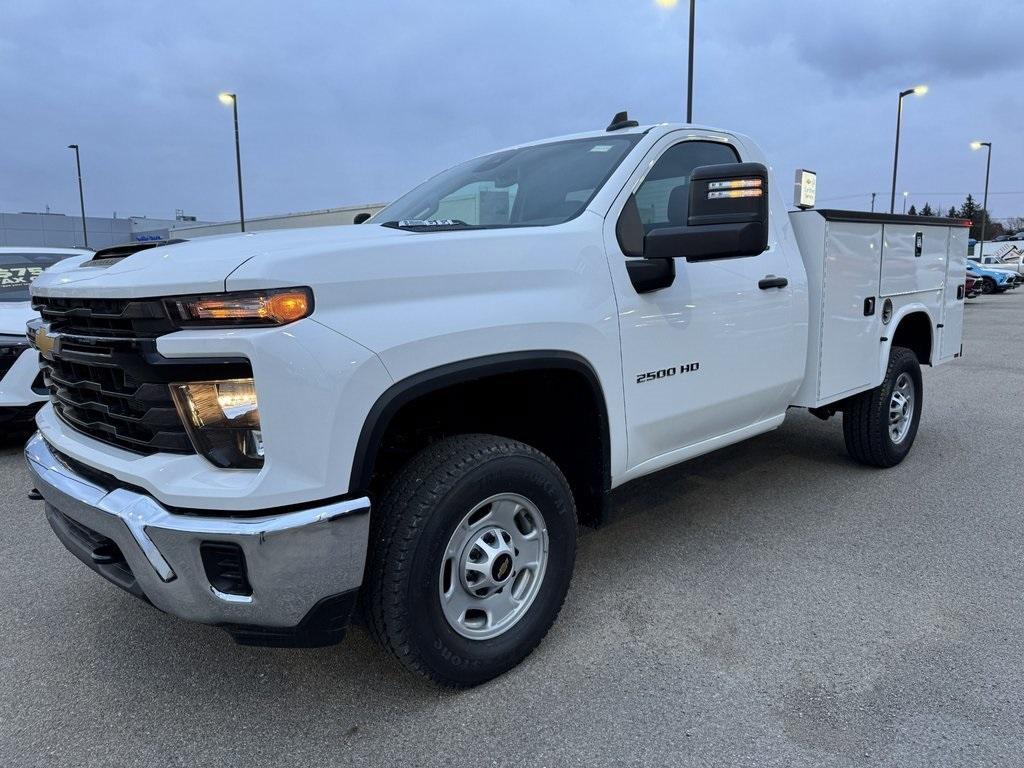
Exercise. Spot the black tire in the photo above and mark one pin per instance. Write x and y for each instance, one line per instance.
(988, 285)
(411, 528)
(866, 416)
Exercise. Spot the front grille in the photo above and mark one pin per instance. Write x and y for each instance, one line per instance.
(118, 318)
(107, 379)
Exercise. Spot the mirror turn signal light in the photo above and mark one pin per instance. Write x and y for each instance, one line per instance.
(735, 188)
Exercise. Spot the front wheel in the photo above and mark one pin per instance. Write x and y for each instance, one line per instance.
(880, 425)
(471, 555)
(988, 285)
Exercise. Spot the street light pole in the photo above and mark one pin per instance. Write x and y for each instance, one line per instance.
(669, 4)
(873, 201)
(232, 99)
(689, 68)
(919, 90)
(81, 195)
(984, 202)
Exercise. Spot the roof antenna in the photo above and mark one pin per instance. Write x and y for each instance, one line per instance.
(620, 121)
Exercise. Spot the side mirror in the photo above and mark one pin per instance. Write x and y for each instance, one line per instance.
(727, 216)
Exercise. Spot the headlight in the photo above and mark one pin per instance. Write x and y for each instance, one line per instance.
(223, 420)
(279, 306)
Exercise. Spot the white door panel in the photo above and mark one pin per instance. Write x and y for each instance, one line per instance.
(953, 305)
(849, 338)
(710, 354)
(717, 336)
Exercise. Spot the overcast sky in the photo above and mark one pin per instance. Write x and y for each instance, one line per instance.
(351, 102)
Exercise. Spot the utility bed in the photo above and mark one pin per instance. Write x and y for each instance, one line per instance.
(865, 271)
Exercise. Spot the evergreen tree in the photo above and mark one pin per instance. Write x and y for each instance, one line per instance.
(927, 210)
(969, 210)
(912, 211)
(953, 213)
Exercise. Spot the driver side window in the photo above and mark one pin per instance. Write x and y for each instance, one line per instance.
(663, 197)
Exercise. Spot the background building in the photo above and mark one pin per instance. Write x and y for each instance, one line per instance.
(59, 231)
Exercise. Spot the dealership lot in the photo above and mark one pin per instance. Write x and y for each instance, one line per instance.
(770, 604)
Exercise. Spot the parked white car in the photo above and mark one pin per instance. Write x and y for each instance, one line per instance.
(21, 391)
(254, 430)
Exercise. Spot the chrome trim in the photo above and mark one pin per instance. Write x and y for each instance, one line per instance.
(245, 599)
(293, 559)
(911, 293)
(137, 511)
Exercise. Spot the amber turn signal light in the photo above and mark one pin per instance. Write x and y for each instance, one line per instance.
(273, 307)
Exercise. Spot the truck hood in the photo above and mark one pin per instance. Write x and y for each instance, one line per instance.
(195, 266)
(13, 316)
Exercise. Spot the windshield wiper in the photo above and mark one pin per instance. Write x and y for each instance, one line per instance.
(428, 225)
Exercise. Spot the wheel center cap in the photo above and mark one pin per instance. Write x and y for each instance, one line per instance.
(502, 567)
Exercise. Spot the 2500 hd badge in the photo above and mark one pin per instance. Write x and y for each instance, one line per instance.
(664, 373)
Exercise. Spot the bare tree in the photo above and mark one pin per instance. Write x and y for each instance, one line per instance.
(1014, 223)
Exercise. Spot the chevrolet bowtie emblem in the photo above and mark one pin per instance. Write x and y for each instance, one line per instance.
(47, 344)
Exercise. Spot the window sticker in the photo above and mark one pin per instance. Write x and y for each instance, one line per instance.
(18, 276)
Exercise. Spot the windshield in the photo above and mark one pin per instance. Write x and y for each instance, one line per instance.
(531, 186)
(18, 270)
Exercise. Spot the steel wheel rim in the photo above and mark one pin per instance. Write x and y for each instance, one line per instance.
(493, 567)
(901, 408)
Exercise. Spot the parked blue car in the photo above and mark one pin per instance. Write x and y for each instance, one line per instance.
(992, 281)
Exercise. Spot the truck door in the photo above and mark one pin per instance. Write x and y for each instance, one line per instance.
(722, 348)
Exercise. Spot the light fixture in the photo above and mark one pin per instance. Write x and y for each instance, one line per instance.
(223, 420)
(246, 308)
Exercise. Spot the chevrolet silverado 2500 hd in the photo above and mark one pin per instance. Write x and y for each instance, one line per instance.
(262, 431)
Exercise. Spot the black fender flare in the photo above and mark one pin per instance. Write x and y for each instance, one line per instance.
(434, 379)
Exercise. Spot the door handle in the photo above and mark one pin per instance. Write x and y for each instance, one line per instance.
(771, 281)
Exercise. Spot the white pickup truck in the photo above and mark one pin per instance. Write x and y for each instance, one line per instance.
(266, 431)
(21, 387)
(1004, 257)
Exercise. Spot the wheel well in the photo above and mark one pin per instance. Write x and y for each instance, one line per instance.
(559, 410)
(915, 333)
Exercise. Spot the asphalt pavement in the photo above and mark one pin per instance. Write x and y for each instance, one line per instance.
(771, 604)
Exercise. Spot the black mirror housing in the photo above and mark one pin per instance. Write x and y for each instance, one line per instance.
(727, 216)
(712, 241)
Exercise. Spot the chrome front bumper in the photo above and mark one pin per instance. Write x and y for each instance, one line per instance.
(304, 567)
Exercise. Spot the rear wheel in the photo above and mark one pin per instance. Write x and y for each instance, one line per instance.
(988, 285)
(472, 551)
(880, 425)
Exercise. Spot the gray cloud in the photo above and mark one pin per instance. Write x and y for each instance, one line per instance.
(346, 103)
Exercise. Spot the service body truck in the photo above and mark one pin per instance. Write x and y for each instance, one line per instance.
(269, 431)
